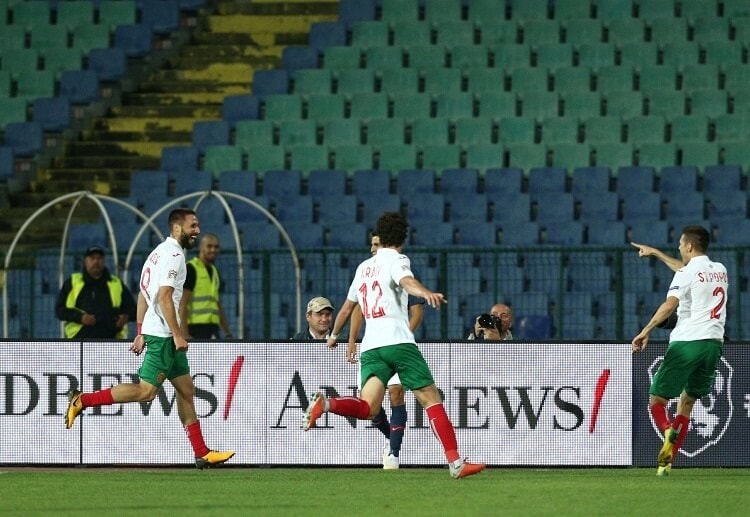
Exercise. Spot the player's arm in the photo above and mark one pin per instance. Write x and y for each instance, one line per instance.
(415, 288)
(140, 312)
(648, 251)
(355, 324)
(341, 318)
(416, 314)
(662, 313)
(169, 312)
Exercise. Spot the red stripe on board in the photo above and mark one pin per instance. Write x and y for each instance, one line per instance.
(234, 376)
(601, 385)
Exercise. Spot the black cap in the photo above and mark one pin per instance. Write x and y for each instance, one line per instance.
(94, 249)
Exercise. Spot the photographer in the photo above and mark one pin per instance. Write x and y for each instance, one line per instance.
(494, 326)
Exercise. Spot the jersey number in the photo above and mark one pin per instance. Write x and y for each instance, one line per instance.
(716, 311)
(371, 300)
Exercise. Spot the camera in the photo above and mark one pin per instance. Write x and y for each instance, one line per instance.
(490, 321)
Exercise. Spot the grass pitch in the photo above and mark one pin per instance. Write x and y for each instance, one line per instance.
(360, 492)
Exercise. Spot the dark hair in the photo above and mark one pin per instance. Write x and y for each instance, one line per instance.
(698, 236)
(178, 215)
(391, 228)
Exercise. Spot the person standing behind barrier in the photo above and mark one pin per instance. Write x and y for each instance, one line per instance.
(393, 430)
(159, 331)
(201, 302)
(493, 326)
(95, 304)
(698, 292)
(381, 286)
(319, 314)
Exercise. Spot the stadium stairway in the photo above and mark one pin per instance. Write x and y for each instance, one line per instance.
(223, 47)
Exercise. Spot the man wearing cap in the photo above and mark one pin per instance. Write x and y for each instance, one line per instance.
(319, 314)
(95, 304)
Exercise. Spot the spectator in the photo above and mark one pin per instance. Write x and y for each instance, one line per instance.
(201, 305)
(95, 304)
(494, 326)
(319, 315)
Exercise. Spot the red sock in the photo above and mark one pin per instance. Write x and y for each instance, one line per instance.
(661, 418)
(195, 436)
(98, 398)
(350, 406)
(682, 424)
(443, 429)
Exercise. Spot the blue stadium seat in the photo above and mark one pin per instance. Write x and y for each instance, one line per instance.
(722, 179)
(269, 82)
(475, 233)
(606, 233)
(325, 182)
(52, 113)
(531, 327)
(424, 232)
(547, 179)
(282, 186)
(425, 207)
(415, 181)
(25, 138)
(163, 16)
(245, 213)
(553, 206)
(676, 181)
(635, 180)
(239, 182)
(510, 207)
(595, 206)
(733, 232)
(134, 40)
(367, 183)
(731, 204)
(327, 34)
(178, 158)
(562, 233)
(503, 180)
(375, 205)
(295, 58)
(79, 86)
(464, 181)
(240, 107)
(644, 206)
(6, 163)
(83, 235)
(520, 233)
(655, 233)
(336, 209)
(305, 234)
(210, 132)
(590, 181)
(685, 205)
(346, 235)
(467, 207)
(299, 211)
(110, 64)
(188, 182)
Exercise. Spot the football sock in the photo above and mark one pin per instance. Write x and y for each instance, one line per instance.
(98, 398)
(398, 425)
(195, 435)
(682, 424)
(381, 422)
(349, 406)
(443, 429)
(661, 418)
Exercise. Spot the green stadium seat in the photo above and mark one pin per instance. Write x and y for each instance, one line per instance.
(342, 132)
(497, 105)
(638, 53)
(336, 58)
(611, 80)
(572, 79)
(723, 53)
(643, 129)
(702, 77)
(570, 155)
(349, 81)
(736, 78)
(312, 81)
(12, 37)
(525, 156)
(572, 9)
(484, 10)
(451, 105)
(282, 107)
(732, 127)
(35, 84)
(43, 37)
(561, 130)
(323, 107)
(741, 100)
(438, 80)
(352, 157)
(59, 60)
(411, 32)
(680, 53)
(583, 30)
(484, 156)
(368, 106)
(707, 29)
(117, 12)
(653, 78)
(32, 13)
(265, 158)
(666, 103)
(509, 57)
(483, 80)
(385, 131)
(469, 57)
(89, 37)
(667, 30)
(554, 56)
(369, 34)
(657, 9)
(380, 58)
(496, 31)
(612, 155)
(248, 133)
(297, 132)
(692, 9)
(582, 104)
(598, 130)
(622, 30)
(452, 32)
(539, 104)
(539, 31)
(529, 9)
(429, 131)
(472, 131)
(397, 10)
(736, 153)
(21, 61)
(442, 10)
(735, 8)
(395, 157)
(426, 56)
(624, 104)
(12, 109)
(741, 28)
(307, 158)
(657, 155)
(74, 13)
(699, 154)
(4, 84)
(688, 128)
(708, 102)
(596, 55)
(411, 106)
(438, 157)
(398, 80)
(516, 130)
(613, 9)
(220, 158)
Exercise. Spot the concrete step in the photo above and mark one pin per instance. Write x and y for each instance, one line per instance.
(145, 148)
(231, 52)
(94, 163)
(235, 73)
(176, 87)
(197, 112)
(159, 135)
(182, 98)
(144, 123)
(249, 24)
(292, 7)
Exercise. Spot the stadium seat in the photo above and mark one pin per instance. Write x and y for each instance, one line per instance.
(243, 183)
(655, 78)
(645, 206)
(342, 132)
(689, 129)
(468, 57)
(430, 233)
(297, 132)
(269, 82)
(699, 154)
(459, 181)
(613, 80)
(110, 64)
(657, 154)
(343, 57)
(351, 82)
(722, 179)
(560, 233)
(7, 167)
(336, 209)
(677, 181)
(509, 208)
(322, 108)
(306, 158)
(282, 186)
(656, 233)
(645, 129)
(351, 11)
(367, 34)
(89, 37)
(469, 131)
(563, 130)
(25, 138)
(553, 206)
(373, 206)
(425, 207)
(282, 107)
(240, 107)
(475, 234)
(385, 131)
(411, 106)
(590, 181)
(595, 55)
(547, 179)
(210, 132)
(606, 233)
(411, 182)
(189, 182)
(597, 130)
(395, 156)
(689, 205)
(352, 157)
(300, 211)
(346, 235)
(438, 156)
(624, 104)
(327, 34)
(726, 205)
(503, 180)
(624, 29)
(532, 327)
(134, 40)
(465, 208)
(667, 30)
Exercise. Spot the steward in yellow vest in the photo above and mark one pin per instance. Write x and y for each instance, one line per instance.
(93, 303)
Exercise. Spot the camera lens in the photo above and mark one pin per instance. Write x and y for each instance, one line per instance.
(486, 321)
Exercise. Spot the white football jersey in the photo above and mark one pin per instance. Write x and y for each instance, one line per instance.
(701, 286)
(165, 266)
(383, 301)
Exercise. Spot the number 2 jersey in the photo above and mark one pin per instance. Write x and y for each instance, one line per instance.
(165, 266)
(701, 288)
(384, 302)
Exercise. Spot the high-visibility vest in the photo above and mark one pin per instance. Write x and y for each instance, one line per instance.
(204, 305)
(114, 286)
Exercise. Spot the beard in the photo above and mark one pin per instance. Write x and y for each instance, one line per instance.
(187, 241)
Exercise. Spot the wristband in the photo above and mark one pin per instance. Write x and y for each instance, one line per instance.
(333, 336)
(138, 329)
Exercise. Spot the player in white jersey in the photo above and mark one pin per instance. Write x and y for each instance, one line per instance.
(159, 330)
(698, 292)
(381, 287)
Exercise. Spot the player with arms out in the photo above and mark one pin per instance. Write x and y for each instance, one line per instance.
(393, 431)
(381, 286)
(699, 294)
(158, 329)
